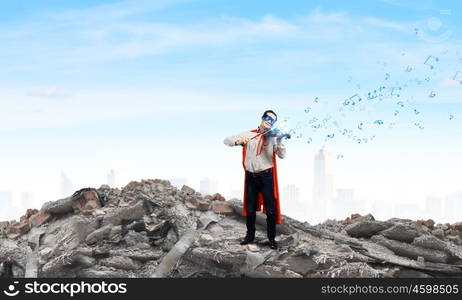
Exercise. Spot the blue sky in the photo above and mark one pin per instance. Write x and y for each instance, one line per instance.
(152, 88)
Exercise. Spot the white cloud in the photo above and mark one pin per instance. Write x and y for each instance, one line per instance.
(451, 83)
(318, 16)
(48, 92)
(415, 4)
(399, 26)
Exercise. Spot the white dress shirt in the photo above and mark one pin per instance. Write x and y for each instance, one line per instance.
(255, 163)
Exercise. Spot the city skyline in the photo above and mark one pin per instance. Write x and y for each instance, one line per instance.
(324, 203)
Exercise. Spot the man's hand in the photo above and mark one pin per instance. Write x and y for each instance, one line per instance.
(242, 141)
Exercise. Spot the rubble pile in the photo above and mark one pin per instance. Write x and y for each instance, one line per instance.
(152, 229)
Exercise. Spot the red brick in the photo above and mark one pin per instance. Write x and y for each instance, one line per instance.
(18, 229)
(39, 219)
(221, 207)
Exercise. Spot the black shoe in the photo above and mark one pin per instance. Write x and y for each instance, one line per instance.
(247, 240)
(273, 244)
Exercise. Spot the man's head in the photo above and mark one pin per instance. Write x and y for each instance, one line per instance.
(268, 119)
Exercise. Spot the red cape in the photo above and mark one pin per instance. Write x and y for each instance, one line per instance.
(260, 202)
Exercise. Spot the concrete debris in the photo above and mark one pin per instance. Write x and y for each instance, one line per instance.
(149, 228)
(365, 228)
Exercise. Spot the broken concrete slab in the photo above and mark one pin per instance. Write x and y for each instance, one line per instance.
(61, 206)
(126, 214)
(411, 251)
(365, 229)
(99, 234)
(121, 262)
(402, 232)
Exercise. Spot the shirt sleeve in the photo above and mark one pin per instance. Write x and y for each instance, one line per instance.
(280, 149)
(231, 140)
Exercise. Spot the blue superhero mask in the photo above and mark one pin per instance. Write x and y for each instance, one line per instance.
(268, 118)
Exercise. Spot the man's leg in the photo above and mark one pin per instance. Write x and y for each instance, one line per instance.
(251, 204)
(267, 189)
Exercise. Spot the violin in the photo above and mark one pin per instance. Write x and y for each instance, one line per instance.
(275, 132)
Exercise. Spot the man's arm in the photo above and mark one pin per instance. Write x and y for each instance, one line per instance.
(279, 148)
(233, 140)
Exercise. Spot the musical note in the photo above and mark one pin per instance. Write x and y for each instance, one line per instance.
(430, 61)
(416, 111)
(340, 156)
(360, 126)
(455, 75)
(309, 140)
(408, 69)
(393, 88)
(330, 136)
(451, 116)
(317, 126)
(418, 125)
(355, 97)
(416, 31)
(313, 120)
(307, 110)
(316, 100)
(458, 77)
(387, 76)
(432, 94)
(400, 103)
(344, 132)
(378, 122)
(396, 112)
(370, 96)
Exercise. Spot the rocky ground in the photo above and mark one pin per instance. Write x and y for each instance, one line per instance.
(152, 229)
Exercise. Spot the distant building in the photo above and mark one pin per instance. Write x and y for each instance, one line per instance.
(323, 182)
(111, 178)
(323, 179)
(238, 194)
(382, 210)
(208, 187)
(345, 195)
(7, 212)
(453, 207)
(178, 182)
(344, 204)
(66, 186)
(26, 200)
(291, 193)
(407, 211)
(434, 208)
